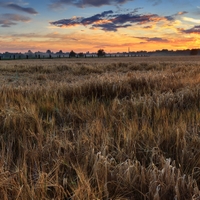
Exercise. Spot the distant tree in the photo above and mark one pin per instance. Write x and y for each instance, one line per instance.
(29, 51)
(81, 55)
(101, 53)
(48, 51)
(72, 54)
(59, 52)
(194, 52)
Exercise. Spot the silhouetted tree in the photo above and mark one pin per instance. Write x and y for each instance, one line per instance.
(48, 51)
(72, 54)
(101, 53)
(194, 52)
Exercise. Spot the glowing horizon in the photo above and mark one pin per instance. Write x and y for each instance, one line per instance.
(114, 25)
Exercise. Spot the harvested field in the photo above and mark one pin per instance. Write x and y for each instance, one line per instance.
(107, 128)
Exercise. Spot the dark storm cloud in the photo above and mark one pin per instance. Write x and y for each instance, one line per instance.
(109, 20)
(7, 20)
(86, 3)
(18, 8)
(195, 29)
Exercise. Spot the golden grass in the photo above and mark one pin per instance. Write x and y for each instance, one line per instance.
(114, 128)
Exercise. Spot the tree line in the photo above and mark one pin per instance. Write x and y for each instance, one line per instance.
(100, 53)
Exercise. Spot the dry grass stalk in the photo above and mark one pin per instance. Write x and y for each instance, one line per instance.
(100, 129)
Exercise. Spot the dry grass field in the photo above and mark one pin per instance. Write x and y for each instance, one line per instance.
(100, 129)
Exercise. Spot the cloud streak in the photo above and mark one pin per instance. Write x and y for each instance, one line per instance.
(156, 39)
(18, 8)
(153, 39)
(86, 3)
(195, 29)
(189, 19)
(111, 21)
(8, 20)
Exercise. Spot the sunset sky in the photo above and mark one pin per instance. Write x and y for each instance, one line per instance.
(88, 25)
